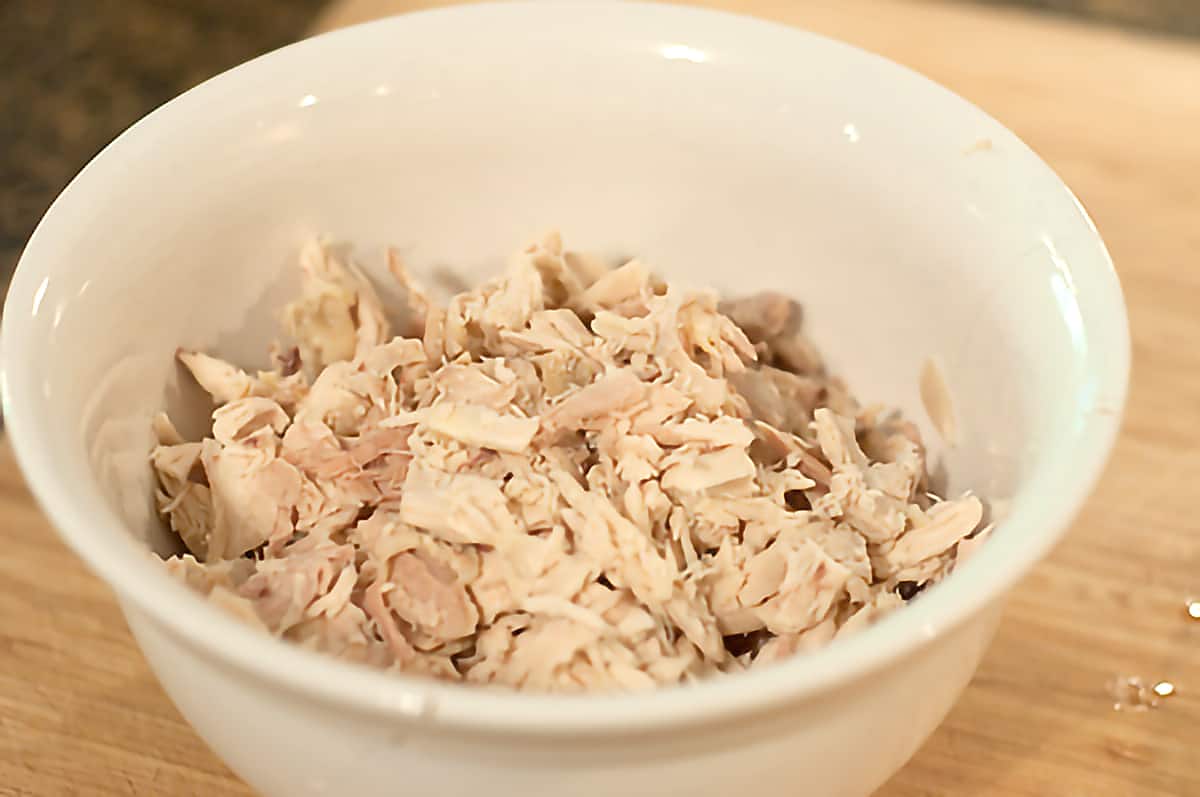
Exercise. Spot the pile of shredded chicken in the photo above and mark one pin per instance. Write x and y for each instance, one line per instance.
(570, 478)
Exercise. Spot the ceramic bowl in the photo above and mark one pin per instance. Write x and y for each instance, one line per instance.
(726, 152)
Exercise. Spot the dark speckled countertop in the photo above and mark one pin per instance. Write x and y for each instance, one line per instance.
(75, 73)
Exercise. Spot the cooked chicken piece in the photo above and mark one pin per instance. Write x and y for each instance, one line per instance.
(252, 421)
(840, 542)
(551, 330)
(596, 404)
(696, 473)
(312, 447)
(207, 576)
(434, 339)
(253, 495)
(219, 581)
(763, 316)
(773, 446)
(969, 546)
(479, 427)
(882, 603)
(324, 460)
(345, 396)
(373, 444)
(773, 323)
(222, 381)
(418, 301)
(406, 354)
(796, 354)
(428, 595)
(424, 579)
(182, 496)
(935, 395)
(617, 333)
(628, 284)
(284, 590)
(779, 398)
(948, 523)
(568, 478)
(784, 646)
(338, 313)
(855, 488)
(564, 276)
(809, 584)
(165, 431)
(630, 561)
(719, 432)
(711, 338)
(895, 447)
(459, 508)
(225, 382)
(583, 268)
(344, 631)
(459, 383)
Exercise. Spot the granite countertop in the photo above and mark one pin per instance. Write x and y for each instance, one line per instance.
(75, 73)
(1176, 17)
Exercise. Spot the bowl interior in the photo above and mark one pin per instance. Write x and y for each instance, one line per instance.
(727, 153)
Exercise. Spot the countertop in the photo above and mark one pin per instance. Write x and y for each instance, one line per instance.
(1118, 116)
(75, 73)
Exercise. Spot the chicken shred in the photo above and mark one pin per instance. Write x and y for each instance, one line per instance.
(570, 478)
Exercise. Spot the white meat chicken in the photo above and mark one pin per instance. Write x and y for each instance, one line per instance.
(569, 478)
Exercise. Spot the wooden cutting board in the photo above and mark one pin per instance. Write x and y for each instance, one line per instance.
(1118, 115)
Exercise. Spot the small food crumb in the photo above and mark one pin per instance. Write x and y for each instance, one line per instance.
(1164, 689)
(980, 145)
(1193, 609)
(1131, 693)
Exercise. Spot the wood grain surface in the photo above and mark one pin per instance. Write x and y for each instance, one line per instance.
(1118, 115)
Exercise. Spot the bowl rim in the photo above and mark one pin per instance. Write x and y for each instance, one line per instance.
(1068, 472)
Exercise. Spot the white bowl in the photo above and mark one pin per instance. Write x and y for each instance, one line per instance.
(726, 151)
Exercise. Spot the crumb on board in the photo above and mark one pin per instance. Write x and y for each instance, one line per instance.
(979, 145)
(1132, 693)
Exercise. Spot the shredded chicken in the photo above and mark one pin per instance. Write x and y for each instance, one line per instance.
(935, 395)
(569, 478)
